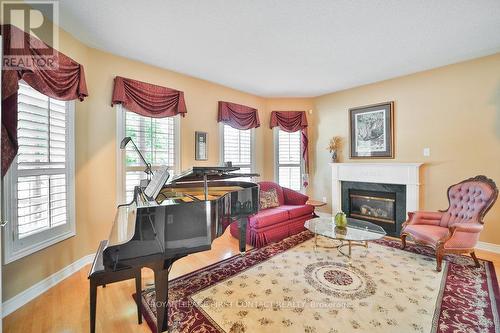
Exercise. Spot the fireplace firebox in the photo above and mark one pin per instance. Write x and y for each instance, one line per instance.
(382, 204)
(373, 206)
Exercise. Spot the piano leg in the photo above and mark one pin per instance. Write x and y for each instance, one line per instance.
(243, 234)
(138, 293)
(161, 288)
(93, 301)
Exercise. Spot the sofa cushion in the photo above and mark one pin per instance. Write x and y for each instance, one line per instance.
(268, 199)
(427, 233)
(266, 186)
(297, 210)
(268, 217)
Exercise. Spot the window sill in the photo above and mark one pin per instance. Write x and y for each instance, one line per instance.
(10, 257)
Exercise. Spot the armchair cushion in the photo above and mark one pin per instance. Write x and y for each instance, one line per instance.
(293, 197)
(426, 233)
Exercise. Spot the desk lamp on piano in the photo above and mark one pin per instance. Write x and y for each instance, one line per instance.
(169, 218)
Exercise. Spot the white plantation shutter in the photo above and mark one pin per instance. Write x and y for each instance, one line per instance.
(40, 179)
(155, 138)
(237, 148)
(289, 159)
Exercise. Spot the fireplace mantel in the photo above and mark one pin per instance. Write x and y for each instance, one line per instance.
(384, 173)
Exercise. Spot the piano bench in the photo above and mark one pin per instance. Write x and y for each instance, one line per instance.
(99, 277)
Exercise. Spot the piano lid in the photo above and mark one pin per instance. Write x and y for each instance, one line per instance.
(194, 174)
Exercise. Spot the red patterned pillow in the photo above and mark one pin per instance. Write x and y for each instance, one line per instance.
(268, 199)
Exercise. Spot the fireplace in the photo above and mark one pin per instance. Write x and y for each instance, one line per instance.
(381, 204)
(373, 206)
(400, 178)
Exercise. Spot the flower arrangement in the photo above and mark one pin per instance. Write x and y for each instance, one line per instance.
(334, 147)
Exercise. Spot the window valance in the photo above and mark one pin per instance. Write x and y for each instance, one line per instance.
(148, 99)
(289, 121)
(45, 69)
(238, 116)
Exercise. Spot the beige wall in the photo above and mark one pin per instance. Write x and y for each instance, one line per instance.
(96, 150)
(453, 110)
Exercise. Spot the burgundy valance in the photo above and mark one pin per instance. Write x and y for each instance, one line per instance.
(292, 121)
(289, 121)
(43, 68)
(148, 99)
(238, 116)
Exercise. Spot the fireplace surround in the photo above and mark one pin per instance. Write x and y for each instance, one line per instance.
(401, 179)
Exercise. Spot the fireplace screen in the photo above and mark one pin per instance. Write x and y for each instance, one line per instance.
(371, 205)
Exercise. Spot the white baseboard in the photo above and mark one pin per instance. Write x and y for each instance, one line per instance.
(490, 247)
(14, 303)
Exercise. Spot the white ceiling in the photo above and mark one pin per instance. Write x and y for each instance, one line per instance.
(289, 47)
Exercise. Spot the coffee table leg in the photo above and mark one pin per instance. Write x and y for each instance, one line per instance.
(350, 247)
(366, 251)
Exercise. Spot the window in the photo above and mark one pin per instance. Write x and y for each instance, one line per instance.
(156, 138)
(237, 147)
(288, 159)
(39, 186)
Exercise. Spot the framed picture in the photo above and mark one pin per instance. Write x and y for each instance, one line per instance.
(201, 146)
(372, 131)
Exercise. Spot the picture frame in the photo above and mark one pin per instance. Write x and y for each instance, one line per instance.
(371, 130)
(201, 146)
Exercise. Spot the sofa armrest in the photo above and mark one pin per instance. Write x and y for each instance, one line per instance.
(293, 197)
(423, 217)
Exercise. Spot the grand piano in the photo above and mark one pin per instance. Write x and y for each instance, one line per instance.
(169, 219)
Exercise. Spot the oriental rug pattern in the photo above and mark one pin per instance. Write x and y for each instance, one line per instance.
(291, 286)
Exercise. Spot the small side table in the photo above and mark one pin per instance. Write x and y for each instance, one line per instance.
(315, 204)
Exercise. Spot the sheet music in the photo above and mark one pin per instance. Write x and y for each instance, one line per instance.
(159, 179)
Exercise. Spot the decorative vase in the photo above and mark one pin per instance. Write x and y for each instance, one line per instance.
(341, 220)
(334, 156)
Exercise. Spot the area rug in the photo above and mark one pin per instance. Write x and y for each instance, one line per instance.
(293, 286)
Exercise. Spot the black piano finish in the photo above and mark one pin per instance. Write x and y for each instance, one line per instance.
(184, 218)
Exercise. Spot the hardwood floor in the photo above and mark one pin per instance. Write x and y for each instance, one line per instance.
(65, 308)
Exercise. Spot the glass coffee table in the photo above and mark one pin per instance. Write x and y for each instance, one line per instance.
(357, 232)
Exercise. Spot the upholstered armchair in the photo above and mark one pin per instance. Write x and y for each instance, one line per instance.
(457, 229)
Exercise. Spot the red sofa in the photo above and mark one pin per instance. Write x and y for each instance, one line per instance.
(274, 224)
